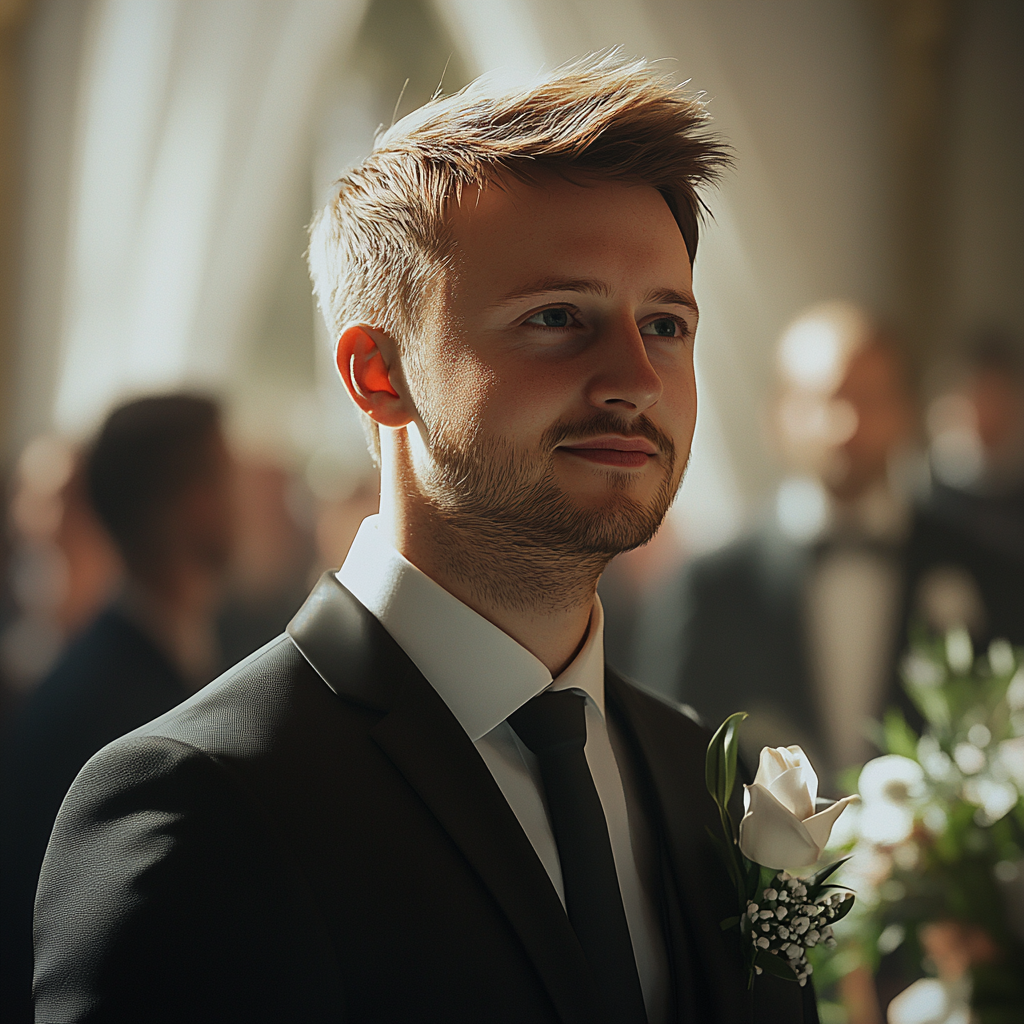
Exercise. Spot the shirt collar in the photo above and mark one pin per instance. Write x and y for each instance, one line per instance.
(478, 670)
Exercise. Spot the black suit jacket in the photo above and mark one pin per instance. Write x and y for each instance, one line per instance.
(730, 633)
(313, 837)
(110, 680)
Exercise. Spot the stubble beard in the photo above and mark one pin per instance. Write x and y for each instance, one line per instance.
(514, 537)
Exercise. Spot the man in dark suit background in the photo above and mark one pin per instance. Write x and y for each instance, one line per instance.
(804, 622)
(430, 800)
(157, 477)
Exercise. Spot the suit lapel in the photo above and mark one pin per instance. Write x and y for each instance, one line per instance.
(675, 792)
(360, 661)
(670, 754)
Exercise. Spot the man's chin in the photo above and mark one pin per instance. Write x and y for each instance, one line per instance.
(616, 522)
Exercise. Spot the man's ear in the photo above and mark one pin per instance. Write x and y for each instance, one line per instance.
(366, 373)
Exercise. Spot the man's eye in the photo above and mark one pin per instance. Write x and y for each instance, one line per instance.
(664, 327)
(551, 318)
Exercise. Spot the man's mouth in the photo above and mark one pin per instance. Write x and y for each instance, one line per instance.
(611, 450)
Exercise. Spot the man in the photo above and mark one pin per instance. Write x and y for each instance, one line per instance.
(389, 814)
(977, 445)
(157, 478)
(804, 623)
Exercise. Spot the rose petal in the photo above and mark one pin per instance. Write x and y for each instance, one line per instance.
(791, 790)
(819, 826)
(770, 766)
(776, 760)
(770, 834)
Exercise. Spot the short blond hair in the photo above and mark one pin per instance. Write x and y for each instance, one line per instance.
(382, 240)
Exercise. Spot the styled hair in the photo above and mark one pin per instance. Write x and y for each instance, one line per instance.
(147, 454)
(382, 240)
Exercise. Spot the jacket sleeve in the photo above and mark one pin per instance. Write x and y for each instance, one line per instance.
(166, 896)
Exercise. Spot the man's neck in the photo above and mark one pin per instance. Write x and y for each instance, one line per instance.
(541, 599)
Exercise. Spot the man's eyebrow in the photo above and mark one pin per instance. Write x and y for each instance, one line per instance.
(668, 296)
(555, 284)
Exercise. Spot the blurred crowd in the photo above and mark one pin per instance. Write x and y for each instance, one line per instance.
(139, 566)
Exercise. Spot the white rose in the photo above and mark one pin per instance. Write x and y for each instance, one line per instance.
(780, 828)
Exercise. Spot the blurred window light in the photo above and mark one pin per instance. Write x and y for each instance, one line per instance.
(801, 508)
(810, 354)
(815, 347)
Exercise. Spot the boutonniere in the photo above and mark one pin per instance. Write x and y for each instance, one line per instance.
(779, 915)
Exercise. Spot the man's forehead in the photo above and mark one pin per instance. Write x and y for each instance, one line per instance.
(507, 194)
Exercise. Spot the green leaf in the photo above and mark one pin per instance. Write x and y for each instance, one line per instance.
(772, 964)
(728, 851)
(753, 877)
(720, 762)
(899, 737)
(730, 922)
(718, 844)
(814, 882)
(844, 908)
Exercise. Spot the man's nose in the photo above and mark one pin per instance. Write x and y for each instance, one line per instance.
(623, 379)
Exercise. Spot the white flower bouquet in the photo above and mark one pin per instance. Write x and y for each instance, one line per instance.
(780, 916)
(938, 840)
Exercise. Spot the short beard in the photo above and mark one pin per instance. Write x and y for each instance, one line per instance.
(514, 537)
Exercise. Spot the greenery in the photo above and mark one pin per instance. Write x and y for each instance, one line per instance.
(939, 837)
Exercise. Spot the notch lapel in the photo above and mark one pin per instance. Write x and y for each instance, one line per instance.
(671, 755)
(360, 661)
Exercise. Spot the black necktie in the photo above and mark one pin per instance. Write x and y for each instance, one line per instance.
(554, 726)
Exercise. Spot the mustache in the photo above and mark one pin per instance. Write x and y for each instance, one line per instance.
(607, 423)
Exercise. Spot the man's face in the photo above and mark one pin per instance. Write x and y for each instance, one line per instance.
(882, 420)
(554, 381)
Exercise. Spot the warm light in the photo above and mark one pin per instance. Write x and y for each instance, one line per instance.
(801, 507)
(817, 345)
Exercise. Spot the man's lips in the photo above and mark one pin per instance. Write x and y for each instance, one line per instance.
(612, 451)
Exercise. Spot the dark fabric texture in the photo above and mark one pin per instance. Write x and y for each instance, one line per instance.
(729, 633)
(554, 727)
(313, 837)
(110, 680)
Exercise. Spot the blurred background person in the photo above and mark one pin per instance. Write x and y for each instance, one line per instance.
(803, 622)
(62, 566)
(976, 433)
(159, 479)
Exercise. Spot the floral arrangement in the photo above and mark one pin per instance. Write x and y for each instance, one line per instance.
(780, 916)
(937, 842)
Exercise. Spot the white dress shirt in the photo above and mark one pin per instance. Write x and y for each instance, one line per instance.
(852, 608)
(484, 676)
